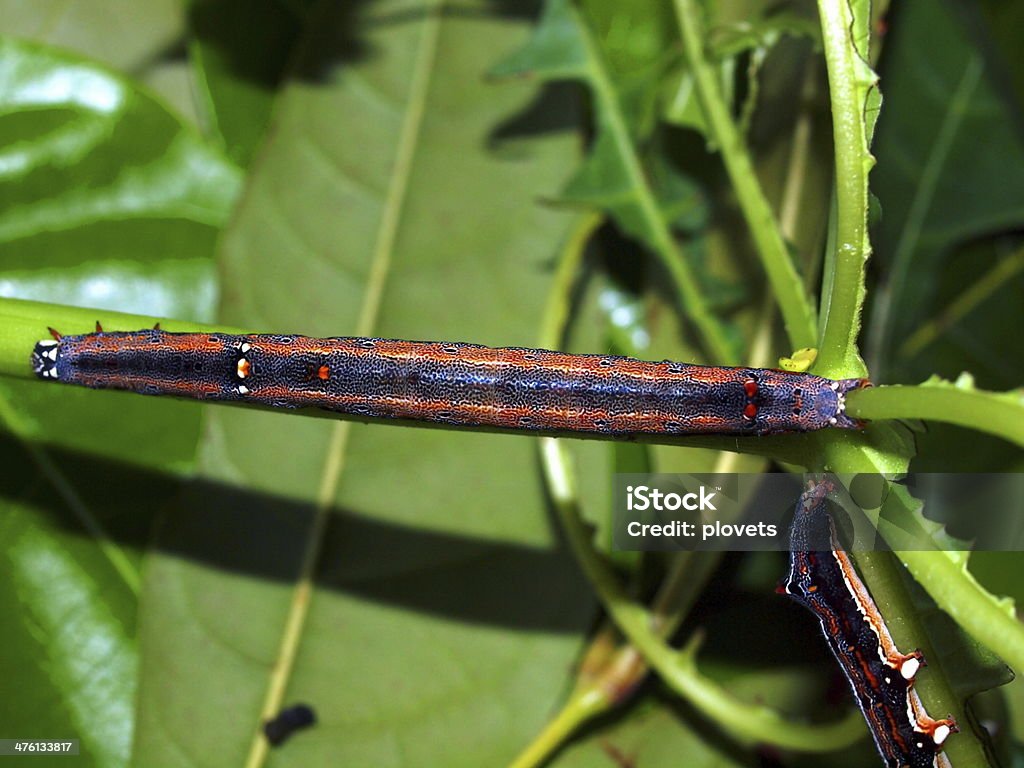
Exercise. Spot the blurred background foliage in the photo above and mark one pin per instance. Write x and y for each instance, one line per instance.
(361, 168)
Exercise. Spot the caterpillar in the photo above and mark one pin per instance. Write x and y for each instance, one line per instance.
(881, 677)
(451, 383)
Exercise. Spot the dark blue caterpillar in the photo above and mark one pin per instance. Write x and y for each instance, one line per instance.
(452, 383)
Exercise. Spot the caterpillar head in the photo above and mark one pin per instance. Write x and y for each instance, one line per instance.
(44, 359)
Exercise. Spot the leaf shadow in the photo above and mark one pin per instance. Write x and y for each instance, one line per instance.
(263, 43)
(545, 114)
(263, 536)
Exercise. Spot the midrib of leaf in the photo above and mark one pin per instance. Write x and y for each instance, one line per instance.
(920, 205)
(334, 462)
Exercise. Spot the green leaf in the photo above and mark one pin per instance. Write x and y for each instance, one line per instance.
(106, 200)
(939, 185)
(632, 35)
(557, 49)
(69, 657)
(613, 178)
(100, 181)
(137, 39)
(652, 735)
(442, 617)
(123, 36)
(240, 51)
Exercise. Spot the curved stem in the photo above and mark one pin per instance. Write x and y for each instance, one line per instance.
(748, 723)
(713, 333)
(957, 592)
(797, 313)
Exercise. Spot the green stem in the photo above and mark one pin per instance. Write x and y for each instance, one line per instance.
(999, 414)
(887, 587)
(691, 297)
(838, 356)
(889, 591)
(748, 723)
(581, 707)
(645, 630)
(797, 313)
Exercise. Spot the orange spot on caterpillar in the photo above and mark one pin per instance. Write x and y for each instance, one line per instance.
(749, 411)
(324, 373)
(750, 387)
(244, 368)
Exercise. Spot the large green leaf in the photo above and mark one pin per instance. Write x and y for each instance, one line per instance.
(652, 737)
(126, 36)
(138, 39)
(69, 655)
(397, 196)
(951, 168)
(240, 52)
(105, 200)
(68, 658)
(613, 178)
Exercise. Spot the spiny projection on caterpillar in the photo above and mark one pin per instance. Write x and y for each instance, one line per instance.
(451, 383)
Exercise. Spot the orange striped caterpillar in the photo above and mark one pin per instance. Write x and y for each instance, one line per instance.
(452, 383)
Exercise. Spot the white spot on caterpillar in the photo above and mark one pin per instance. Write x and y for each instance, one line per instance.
(245, 347)
(910, 667)
(941, 734)
(243, 390)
